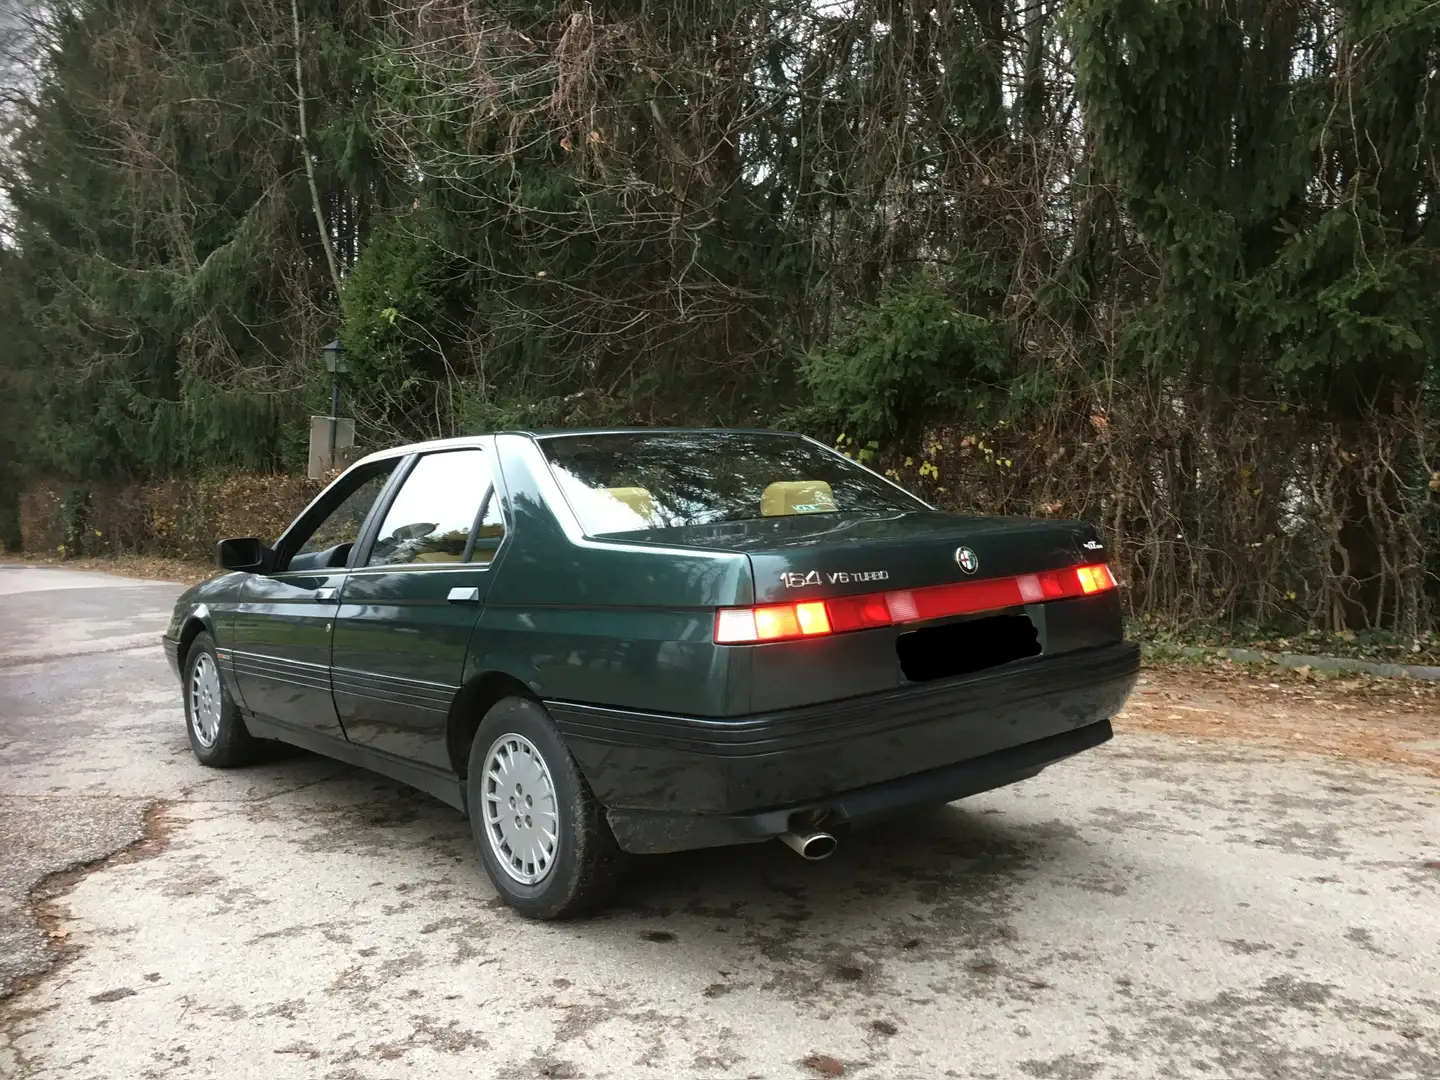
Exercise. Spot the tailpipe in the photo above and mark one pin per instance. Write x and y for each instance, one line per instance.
(812, 846)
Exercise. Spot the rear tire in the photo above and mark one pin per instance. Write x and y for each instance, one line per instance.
(539, 830)
(218, 735)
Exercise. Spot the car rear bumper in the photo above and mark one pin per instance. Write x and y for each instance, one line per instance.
(672, 783)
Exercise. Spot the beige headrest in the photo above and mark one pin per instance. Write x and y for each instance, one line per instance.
(636, 498)
(796, 497)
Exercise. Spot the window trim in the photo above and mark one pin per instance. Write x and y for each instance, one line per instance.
(469, 551)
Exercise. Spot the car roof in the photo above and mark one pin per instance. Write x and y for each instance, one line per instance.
(463, 441)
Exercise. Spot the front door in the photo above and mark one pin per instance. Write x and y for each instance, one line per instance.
(284, 620)
(406, 614)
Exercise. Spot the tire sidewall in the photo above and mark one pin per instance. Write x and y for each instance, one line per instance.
(519, 716)
(225, 734)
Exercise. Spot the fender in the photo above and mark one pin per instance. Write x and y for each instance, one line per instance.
(186, 624)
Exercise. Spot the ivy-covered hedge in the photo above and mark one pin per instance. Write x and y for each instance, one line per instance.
(182, 518)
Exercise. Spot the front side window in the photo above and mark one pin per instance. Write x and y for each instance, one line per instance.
(432, 515)
(341, 527)
(638, 481)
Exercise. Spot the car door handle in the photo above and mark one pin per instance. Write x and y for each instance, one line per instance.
(464, 594)
(324, 596)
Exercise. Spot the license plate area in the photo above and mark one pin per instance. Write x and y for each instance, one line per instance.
(965, 647)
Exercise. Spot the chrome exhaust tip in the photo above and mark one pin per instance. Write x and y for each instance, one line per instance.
(812, 846)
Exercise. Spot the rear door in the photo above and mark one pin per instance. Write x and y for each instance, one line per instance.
(281, 651)
(407, 609)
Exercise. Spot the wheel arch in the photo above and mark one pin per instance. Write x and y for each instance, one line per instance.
(196, 623)
(473, 700)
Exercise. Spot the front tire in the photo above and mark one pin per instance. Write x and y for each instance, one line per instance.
(539, 830)
(218, 735)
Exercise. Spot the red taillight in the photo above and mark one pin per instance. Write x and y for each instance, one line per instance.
(1095, 578)
(858, 612)
(815, 618)
(771, 622)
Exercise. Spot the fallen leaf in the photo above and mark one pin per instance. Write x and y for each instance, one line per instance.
(824, 1065)
(112, 995)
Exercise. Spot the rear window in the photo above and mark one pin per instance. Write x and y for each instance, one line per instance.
(639, 481)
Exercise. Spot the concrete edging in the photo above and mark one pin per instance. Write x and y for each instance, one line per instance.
(1335, 664)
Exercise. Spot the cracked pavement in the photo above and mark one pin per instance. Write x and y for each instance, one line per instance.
(1154, 908)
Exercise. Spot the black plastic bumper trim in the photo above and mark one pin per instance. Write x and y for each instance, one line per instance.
(654, 832)
(691, 765)
(1013, 684)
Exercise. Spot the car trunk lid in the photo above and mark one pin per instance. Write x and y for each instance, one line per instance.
(816, 556)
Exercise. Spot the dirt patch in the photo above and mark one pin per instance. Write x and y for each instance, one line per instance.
(1349, 717)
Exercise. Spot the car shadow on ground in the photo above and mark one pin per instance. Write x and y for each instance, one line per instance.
(941, 874)
(923, 857)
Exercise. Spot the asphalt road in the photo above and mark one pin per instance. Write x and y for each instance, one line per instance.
(1154, 908)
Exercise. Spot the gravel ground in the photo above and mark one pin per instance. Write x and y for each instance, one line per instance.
(1174, 904)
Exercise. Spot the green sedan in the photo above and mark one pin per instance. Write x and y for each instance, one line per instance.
(603, 644)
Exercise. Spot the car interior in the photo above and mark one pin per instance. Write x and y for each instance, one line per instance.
(330, 559)
(781, 499)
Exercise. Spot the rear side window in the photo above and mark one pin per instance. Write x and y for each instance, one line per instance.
(432, 515)
(638, 481)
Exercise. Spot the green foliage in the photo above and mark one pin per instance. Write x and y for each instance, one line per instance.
(1287, 231)
(18, 372)
(909, 362)
(1022, 223)
(173, 271)
(394, 300)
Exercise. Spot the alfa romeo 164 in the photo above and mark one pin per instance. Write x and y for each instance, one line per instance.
(602, 644)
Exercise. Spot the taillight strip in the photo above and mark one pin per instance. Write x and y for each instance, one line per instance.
(840, 614)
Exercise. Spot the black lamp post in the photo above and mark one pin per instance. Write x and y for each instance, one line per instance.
(335, 364)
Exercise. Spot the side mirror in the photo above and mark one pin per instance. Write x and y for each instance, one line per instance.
(247, 553)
